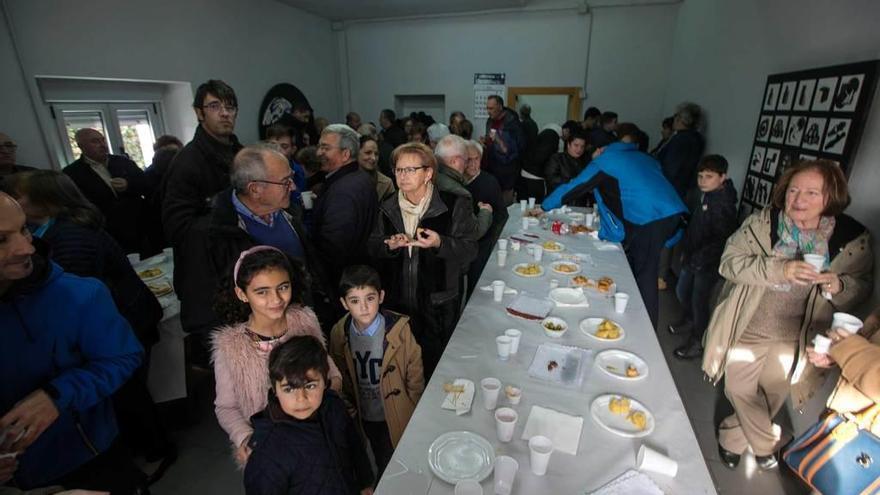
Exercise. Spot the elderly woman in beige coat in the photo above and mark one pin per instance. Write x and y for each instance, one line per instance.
(774, 303)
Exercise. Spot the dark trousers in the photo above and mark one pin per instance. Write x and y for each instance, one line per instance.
(643, 244)
(380, 444)
(694, 290)
(110, 471)
(531, 188)
(139, 425)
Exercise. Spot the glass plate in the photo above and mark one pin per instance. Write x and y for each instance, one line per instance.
(461, 455)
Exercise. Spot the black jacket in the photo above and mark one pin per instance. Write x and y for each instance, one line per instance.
(599, 137)
(485, 189)
(711, 223)
(505, 167)
(679, 159)
(342, 219)
(323, 455)
(546, 145)
(561, 168)
(530, 130)
(124, 211)
(198, 172)
(428, 285)
(91, 252)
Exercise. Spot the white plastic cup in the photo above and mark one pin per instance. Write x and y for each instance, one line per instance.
(620, 300)
(498, 290)
(590, 217)
(817, 260)
(502, 244)
(525, 223)
(468, 487)
(169, 252)
(522, 205)
(540, 449)
(531, 203)
(308, 199)
(538, 252)
(505, 423)
(554, 284)
(847, 322)
(502, 257)
(503, 342)
(652, 461)
(514, 335)
(821, 344)
(505, 474)
(133, 258)
(491, 388)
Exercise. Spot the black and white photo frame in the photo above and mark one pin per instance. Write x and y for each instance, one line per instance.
(804, 98)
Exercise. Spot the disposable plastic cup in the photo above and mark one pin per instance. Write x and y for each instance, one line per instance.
(522, 205)
(620, 301)
(505, 423)
(490, 387)
(525, 223)
(514, 335)
(502, 244)
(531, 203)
(847, 322)
(308, 199)
(498, 290)
(503, 342)
(652, 461)
(538, 252)
(133, 258)
(505, 474)
(590, 218)
(817, 260)
(468, 487)
(540, 449)
(502, 257)
(821, 344)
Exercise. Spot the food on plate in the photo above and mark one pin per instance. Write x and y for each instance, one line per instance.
(608, 330)
(580, 229)
(619, 405)
(604, 284)
(565, 267)
(554, 327)
(534, 212)
(529, 269)
(451, 388)
(512, 392)
(150, 273)
(638, 419)
(632, 371)
(552, 365)
(580, 281)
(160, 290)
(551, 246)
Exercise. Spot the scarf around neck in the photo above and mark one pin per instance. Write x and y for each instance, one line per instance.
(412, 213)
(794, 242)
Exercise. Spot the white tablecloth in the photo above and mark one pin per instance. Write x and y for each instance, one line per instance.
(602, 456)
(167, 373)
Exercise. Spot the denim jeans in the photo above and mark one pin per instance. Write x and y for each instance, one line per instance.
(693, 290)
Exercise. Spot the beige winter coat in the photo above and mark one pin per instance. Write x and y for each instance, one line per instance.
(751, 269)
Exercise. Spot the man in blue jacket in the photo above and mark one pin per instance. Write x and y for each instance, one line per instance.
(636, 204)
(64, 349)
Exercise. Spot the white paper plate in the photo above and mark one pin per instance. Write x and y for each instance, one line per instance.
(577, 216)
(589, 326)
(461, 455)
(559, 247)
(617, 423)
(555, 267)
(568, 368)
(568, 296)
(615, 363)
(518, 265)
(155, 260)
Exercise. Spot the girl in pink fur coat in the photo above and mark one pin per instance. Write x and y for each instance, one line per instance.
(264, 308)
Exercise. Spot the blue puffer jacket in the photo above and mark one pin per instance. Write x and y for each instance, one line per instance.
(63, 331)
(627, 184)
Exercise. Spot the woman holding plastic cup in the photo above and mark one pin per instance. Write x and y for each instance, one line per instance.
(772, 304)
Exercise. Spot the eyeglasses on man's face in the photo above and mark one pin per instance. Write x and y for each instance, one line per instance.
(215, 107)
(286, 182)
(407, 170)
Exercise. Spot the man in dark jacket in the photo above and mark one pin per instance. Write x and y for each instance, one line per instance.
(529, 127)
(679, 157)
(452, 159)
(485, 189)
(604, 134)
(391, 136)
(504, 144)
(199, 172)
(64, 350)
(113, 183)
(347, 207)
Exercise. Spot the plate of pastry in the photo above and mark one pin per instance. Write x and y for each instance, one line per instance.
(622, 415)
(602, 285)
(150, 273)
(552, 246)
(622, 364)
(602, 329)
(529, 270)
(565, 267)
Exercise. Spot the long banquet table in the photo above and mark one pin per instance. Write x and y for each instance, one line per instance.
(601, 456)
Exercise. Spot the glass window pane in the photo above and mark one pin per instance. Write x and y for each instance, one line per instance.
(137, 135)
(75, 120)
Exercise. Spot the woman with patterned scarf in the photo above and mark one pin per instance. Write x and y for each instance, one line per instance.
(774, 303)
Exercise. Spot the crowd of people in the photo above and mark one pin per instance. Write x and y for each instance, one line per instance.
(322, 271)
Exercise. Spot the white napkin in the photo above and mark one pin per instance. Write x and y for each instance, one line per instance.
(629, 483)
(538, 308)
(563, 430)
(460, 403)
(507, 290)
(605, 246)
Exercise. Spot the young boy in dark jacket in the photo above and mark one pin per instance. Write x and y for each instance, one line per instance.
(712, 222)
(304, 442)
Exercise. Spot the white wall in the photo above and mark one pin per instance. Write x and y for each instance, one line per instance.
(723, 53)
(539, 48)
(251, 45)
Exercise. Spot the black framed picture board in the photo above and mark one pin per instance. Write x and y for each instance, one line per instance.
(806, 115)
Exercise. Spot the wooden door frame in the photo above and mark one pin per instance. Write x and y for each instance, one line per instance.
(573, 93)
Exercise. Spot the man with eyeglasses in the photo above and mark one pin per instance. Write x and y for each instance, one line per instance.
(8, 166)
(345, 210)
(452, 159)
(199, 171)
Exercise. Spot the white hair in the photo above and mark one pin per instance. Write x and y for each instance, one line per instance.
(349, 139)
(437, 131)
(475, 145)
(450, 146)
(249, 164)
